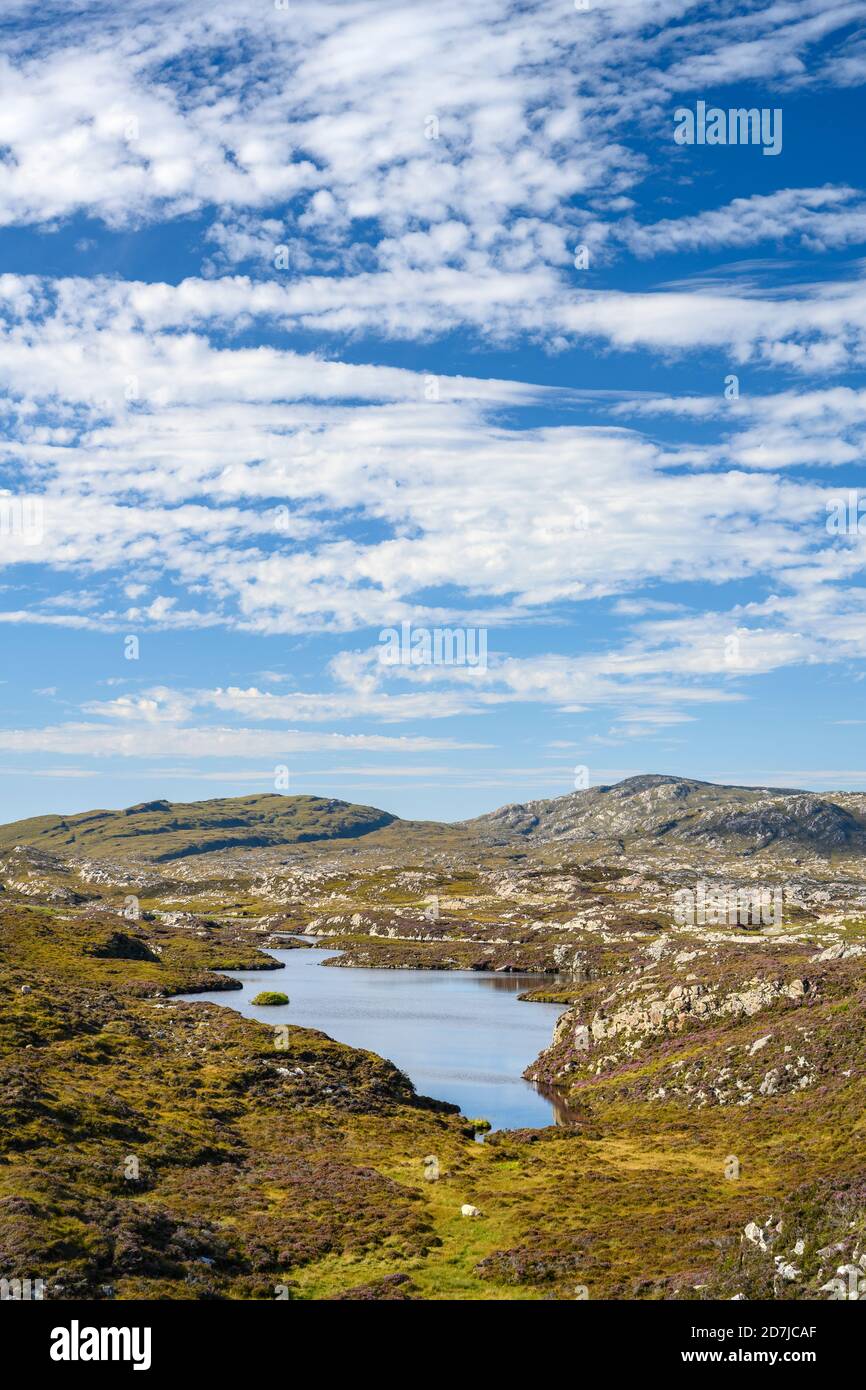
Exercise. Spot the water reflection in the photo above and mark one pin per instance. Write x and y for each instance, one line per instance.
(461, 1035)
(509, 982)
(563, 1114)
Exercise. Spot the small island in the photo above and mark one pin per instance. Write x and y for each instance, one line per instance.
(270, 996)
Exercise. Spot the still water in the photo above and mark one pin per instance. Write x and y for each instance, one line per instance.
(461, 1035)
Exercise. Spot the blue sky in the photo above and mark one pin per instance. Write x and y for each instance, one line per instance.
(294, 350)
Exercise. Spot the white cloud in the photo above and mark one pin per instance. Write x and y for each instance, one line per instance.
(160, 740)
(240, 487)
(428, 170)
(440, 157)
(816, 218)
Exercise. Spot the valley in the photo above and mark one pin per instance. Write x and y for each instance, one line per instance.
(708, 1070)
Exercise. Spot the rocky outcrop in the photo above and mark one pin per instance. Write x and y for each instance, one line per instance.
(687, 1004)
(811, 1247)
(638, 1021)
(654, 809)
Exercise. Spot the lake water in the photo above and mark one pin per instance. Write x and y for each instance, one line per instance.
(461, 1035)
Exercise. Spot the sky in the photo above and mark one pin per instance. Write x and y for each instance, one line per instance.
(321, 322)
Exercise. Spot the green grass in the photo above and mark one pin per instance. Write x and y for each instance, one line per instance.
(162, 831)
(304, 1165)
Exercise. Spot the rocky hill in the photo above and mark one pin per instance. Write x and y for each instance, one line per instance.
(160, 831)
(655, 811)
(660, 817)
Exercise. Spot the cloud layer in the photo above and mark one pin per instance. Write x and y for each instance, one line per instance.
(376, 324)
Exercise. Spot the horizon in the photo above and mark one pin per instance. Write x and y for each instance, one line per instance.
(376, 430)
(723, 786)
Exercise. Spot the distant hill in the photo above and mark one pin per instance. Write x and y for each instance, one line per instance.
(658, 811)
(654, 813)
(161, 831)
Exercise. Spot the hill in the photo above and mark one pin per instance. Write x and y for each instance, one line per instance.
(654, 811)
(655, 814)
(160, 831)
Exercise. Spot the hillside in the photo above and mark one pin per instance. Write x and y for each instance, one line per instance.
(708, 1079)
(654, 812)
(650, 814)
(160, 831)
(708, 1075)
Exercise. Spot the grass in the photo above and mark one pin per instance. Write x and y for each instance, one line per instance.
(162, 831)
(257, 1166)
